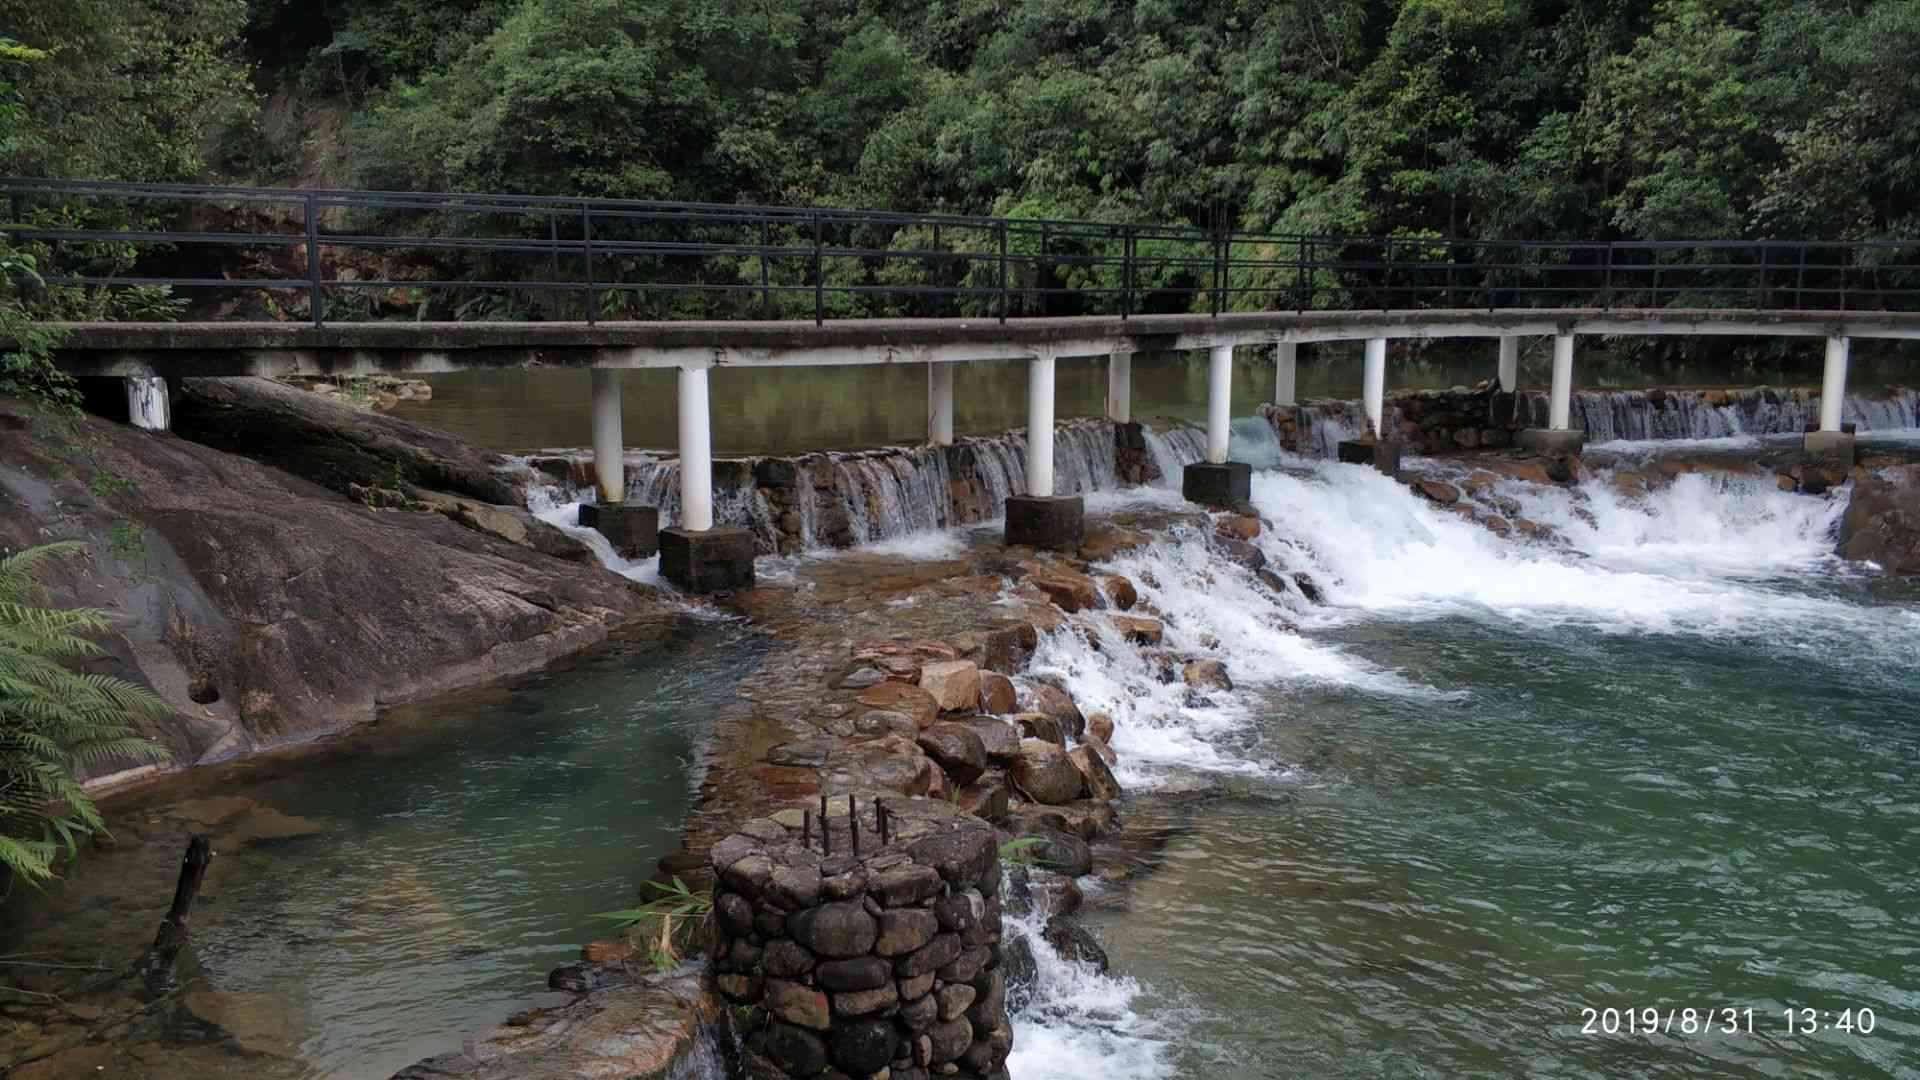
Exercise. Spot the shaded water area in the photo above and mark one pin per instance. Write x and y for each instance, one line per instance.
(376, 897)
(803, 409)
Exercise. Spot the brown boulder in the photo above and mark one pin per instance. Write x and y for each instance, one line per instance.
(1057, 703)
(1438, 491)
(1045, 772)
(1069, 591)
(1139, 630)
(1100, 726)
(1238, 527)
(1206, 675)
(1000, 739)
(997, 695)
(1121, 595)
(1098, 779)
(1040, 726)
(902, 698)
(1009, 646)
(953, 684)
(959, 750)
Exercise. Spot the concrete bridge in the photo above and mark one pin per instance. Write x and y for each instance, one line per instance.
(1318, 273)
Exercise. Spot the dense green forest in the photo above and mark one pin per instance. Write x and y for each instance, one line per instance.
(1484, 118)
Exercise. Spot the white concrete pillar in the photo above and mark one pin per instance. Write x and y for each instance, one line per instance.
(1286, 370)
(609, 447)
(1120, 388)
(1833, 385)
(1560, 407)
(1374, 390)
(1040, 426)
(696, 452)
(940, 404)
(1219, 402)
(1509, 364)
(148, 406)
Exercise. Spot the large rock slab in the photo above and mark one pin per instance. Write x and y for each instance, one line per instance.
(1882, 524)
(265, 609)
(1045, 773)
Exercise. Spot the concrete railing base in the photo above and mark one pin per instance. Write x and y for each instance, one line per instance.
(1223, 484)
(1384, 456)
(634, 531)
(1830, 448)
(709, 561)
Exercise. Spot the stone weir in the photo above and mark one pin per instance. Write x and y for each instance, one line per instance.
(1441, 421)
(863, 939)
(846, 499)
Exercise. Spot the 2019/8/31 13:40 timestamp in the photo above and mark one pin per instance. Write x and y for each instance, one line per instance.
(1723, 1020)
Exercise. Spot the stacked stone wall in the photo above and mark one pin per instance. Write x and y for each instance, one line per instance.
(882, 964)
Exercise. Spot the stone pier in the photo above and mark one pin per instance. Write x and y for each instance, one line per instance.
(877, 960)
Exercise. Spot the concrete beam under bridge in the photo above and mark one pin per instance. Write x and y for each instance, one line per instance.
(220, 349)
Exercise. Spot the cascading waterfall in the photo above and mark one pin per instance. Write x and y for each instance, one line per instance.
(1628, 415)
(846, 499)
(1635, 415)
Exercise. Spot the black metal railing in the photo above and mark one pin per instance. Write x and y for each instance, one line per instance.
(265, 254)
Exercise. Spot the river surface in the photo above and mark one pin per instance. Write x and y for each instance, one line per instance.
(800, 410)
(1675, 765)
(377, 898)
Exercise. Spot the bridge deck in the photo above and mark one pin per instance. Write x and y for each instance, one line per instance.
(234, 348)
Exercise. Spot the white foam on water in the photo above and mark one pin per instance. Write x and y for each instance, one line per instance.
(565, 516)
(1656, 447)
(1705, 555)
(1078, 1024)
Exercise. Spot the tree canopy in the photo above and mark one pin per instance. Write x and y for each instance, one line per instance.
(1495, 119)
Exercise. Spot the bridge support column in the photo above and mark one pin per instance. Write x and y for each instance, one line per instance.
(1286, 372)
(1040, 518)
(148, 406)
(1558, 437)
(1120, 388)
(1832, 444)
(1217, 481)
(1374, 448)
(940, 404)
(634, 531)
(696, 556)
(1509, 373)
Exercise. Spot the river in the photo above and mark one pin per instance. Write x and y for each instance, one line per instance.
(379, 896)
(1490, 786)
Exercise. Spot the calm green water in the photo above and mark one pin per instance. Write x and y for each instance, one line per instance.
(413, 882)
(800, 410)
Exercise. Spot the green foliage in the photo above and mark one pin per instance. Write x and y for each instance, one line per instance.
(666, 923)
(55, 720)
(1019, 851)
(109, 90)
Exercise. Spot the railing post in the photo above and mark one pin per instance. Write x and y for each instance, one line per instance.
(1846, 263)
(1760, 291)
(1219, 269)
(1800, 281)
(766, 289)
(1606, 286)
(1126, 271)
(586, 239)
(819, 277)
(1300, 277)
(313, 264)
(1003, 277)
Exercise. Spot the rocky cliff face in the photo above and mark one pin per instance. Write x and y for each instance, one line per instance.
(268, 609)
